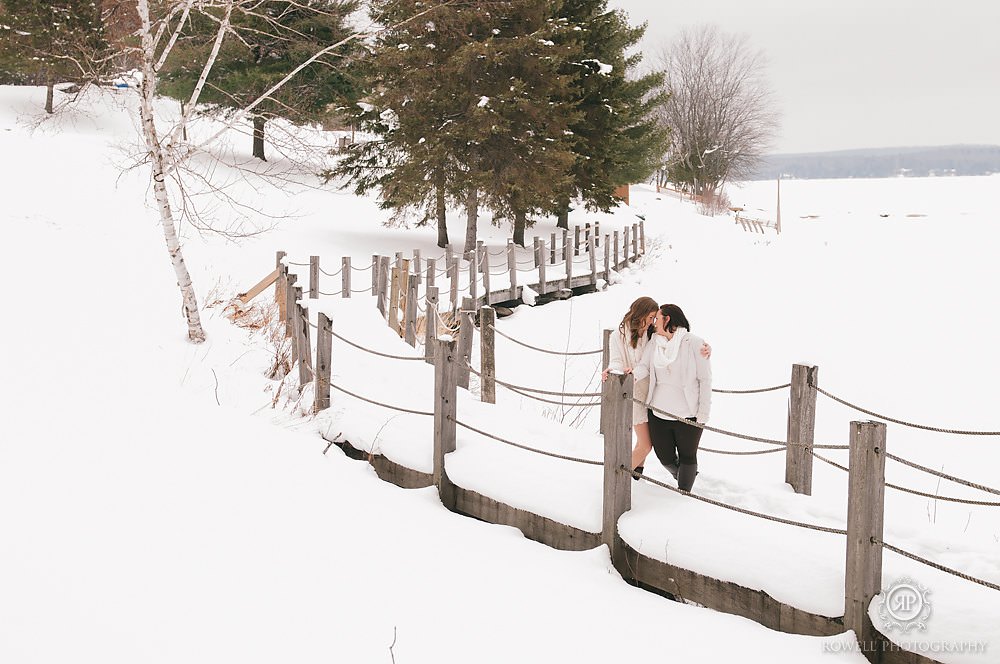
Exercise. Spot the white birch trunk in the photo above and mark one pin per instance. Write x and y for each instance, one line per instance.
(147, 91)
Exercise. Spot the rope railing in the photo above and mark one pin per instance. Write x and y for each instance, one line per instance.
(379, 403)
(362, 269)
(937, 473)
(592, 395)
(332, 274)
(544, 350)
(519, 446)
(288, 262)
(924, 427)
(734, 508)
(937, 566)
(551, 401)
(347, 341)
(734, 434)
(740, 452)
(754, 391)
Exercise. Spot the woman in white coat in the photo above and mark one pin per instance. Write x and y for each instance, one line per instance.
(680, 383)
(625, 354)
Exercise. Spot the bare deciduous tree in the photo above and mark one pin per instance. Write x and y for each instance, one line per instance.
(719, 109)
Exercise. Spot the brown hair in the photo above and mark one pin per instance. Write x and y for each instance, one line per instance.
(677, 317)
(634, 322)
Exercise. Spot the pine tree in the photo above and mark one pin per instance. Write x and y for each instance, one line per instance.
(271, 38)
(470, 106)
(617, 138)
(52, 42)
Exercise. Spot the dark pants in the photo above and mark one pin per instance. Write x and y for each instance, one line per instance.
(676, 446)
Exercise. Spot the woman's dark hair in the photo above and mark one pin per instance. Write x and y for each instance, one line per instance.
(677, 317)
(634, 322)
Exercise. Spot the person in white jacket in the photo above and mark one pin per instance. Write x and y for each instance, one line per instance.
(680, 383)
(625, 353)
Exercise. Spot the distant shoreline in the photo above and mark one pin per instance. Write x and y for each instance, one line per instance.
(943, 161)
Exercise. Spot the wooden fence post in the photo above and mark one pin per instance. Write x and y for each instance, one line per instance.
(576, 240)
(535, 252)
(564, 245)
(605, 360)
(569, 263)
(801, 428)
(635, 242)
(625, 246)
(541, 271)
(374, 269)
(383, 278)
(552, 249)
(410, 313)
(417, 272)
(473, 276)
(430, 329)
(302, 341)
(399, 259)
(394, 299)
(617, 264)
(313, 277)
(465, 332)
(593, 259)
(865, 514)
(281, 283)
(487, 357)
(290, 309)
(597, 234)
(431, 272)
(607, 260)
(512, 268)
(642, 236)
(453, 277)
(586, 235)
(324, 355)
(617, 399)
(445, 414)
(345, 277)
(485, 266)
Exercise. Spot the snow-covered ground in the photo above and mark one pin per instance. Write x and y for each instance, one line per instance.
(155, 506)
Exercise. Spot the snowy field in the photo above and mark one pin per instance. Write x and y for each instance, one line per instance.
(156, 507)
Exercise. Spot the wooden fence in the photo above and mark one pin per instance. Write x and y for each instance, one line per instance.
(450, 357)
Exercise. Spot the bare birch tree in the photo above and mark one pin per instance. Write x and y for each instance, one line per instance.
(719, 109)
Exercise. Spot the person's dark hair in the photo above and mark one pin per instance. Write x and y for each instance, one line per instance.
(634, 322)
(677, 317)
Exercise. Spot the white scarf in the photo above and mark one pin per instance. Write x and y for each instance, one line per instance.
(667, 349)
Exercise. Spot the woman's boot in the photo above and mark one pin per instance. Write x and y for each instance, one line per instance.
(686, 475)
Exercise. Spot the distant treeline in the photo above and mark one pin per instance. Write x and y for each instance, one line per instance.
(884, 162)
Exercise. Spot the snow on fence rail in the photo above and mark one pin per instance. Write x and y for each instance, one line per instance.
(451, 359)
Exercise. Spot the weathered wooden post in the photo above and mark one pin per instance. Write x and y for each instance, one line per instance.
(453, 278)
(576, 240)
(324, 356)
(446, 367)
(586, 236)
(541, 272)
(394, 294)
(431, 272)
(280, 283)
(345, 277)
(465, 331)
(417, 272)
(399, 259)
(635, 242)
(617, 399)
(552, 249)
(512, 268)
(565, 245)
(801, 428)
(617, 264)
(290, 308)
(303, 346)
(593, 259)
(486, 275)
(597, 234)
(410, 313)
(313, 277)
(642, 236)
(536, 252)
(487, 358)
(865, 513)
(569, 263)
(383, 278)
(605, 360)
(473, 277)
(625, 236)
(430, 330)
(607, 260)
(374, 269)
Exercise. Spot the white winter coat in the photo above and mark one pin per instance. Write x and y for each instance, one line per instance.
(695, 371)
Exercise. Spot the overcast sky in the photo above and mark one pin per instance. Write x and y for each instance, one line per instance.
(860, 73)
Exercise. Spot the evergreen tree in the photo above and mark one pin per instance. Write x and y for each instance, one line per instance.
(470, 106)
(271, 37)
(52, 42)
(617, 138)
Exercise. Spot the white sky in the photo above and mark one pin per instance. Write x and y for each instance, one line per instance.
(860, 73)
